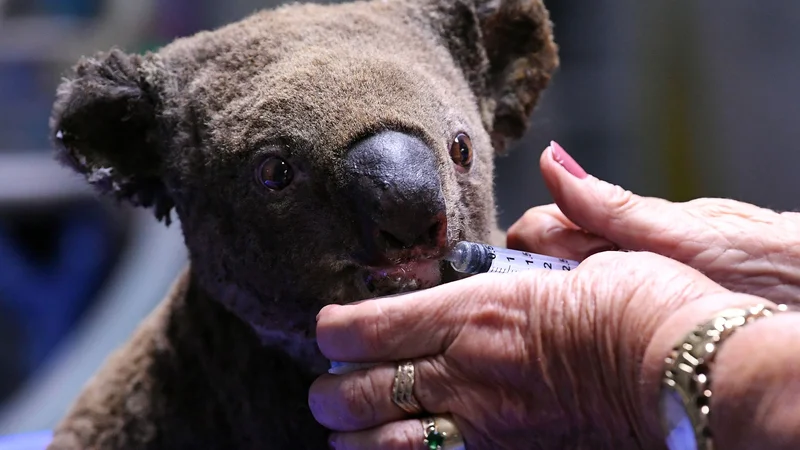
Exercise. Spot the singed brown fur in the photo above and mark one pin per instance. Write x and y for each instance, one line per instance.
(227, 358)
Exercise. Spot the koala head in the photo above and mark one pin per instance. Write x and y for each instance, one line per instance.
(315, 154)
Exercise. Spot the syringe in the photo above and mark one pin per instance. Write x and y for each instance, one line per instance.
(475, 258)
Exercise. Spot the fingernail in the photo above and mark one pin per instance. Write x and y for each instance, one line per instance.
(562, 157)
(332, 441)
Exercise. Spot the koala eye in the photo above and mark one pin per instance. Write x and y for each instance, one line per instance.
(275, 173)
(461, 151)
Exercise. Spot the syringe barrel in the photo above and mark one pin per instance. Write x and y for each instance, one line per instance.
(474, 258)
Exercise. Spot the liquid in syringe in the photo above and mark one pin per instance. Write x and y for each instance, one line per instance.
(474, 258)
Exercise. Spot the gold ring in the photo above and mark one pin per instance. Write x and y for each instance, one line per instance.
(403, 389)
(441, 433)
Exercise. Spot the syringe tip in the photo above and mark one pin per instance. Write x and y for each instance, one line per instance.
(459, 256)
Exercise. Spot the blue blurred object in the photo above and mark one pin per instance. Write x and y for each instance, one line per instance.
(77, 8)
(82, 9)
(21, 123)
(50, 276)
(36, 440)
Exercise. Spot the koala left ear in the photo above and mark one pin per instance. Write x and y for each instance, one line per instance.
(106, 126)
(507, 52)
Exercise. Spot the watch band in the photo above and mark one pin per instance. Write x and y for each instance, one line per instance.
(686, 385)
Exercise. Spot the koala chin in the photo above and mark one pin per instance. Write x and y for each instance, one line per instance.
(313, 154)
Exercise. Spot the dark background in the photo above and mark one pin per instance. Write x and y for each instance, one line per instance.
(679, 99)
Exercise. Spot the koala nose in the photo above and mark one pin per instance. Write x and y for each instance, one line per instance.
(397, 194)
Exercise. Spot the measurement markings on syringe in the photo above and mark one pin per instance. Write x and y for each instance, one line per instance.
(509, 268)
(471, 257)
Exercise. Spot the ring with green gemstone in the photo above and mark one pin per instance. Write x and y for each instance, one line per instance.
(441, 433)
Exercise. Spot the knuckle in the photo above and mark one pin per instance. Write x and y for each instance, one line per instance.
(357, 399)
(714, 208)
(488, 312)
(621, 200)
(373, 333)
(722, 205)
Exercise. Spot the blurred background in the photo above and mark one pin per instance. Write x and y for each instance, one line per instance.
(679, 99)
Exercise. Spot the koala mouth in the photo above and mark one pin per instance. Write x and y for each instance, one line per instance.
(403, 277)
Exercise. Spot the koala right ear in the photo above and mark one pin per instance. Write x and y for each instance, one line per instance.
(105, 124)
(506, 50)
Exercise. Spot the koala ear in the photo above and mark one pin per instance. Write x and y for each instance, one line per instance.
(507, 52)
(105, 124)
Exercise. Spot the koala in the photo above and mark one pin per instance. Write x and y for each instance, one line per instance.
(313, 154)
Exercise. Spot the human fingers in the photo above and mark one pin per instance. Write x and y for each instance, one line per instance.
(420, 323)
(582, 346)
(354, 401)
(744, 247)
(365, 399)
(618, 215)
(545, 230)
(748, 249)
(408, 434)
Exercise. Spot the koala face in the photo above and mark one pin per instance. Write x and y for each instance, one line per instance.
(315, 154)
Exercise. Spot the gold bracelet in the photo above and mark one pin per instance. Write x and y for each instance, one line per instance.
(684, 403)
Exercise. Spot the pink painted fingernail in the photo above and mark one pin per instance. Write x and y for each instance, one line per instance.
(562, 157)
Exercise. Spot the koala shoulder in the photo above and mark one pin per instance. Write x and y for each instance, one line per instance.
(120, 407)
(179, 383)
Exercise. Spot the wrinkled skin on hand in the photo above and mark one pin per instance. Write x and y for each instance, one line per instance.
(743, 247)
(552, 359)
(542, 359)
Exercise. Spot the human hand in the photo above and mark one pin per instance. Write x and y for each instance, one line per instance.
(541, 359)
(743, 247)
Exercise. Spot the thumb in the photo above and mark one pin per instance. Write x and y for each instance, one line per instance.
(618, 215)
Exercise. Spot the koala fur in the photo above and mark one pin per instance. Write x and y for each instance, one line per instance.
(225, 361)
